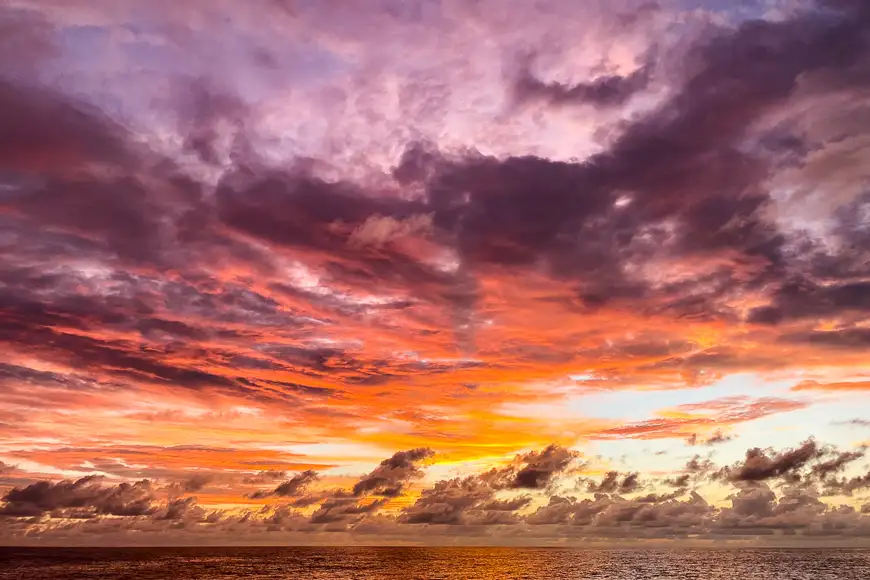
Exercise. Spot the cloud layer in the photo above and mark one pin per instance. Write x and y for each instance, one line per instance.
(775, 496)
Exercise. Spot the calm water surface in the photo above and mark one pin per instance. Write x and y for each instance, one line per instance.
(430, 563)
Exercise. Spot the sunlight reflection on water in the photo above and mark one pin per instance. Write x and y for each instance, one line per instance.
(430, 564)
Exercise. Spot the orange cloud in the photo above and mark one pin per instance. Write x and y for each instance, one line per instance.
(841, 386)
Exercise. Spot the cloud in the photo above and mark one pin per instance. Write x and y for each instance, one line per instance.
(682, 134)
(698, 465)
(809, 464)
(846, 486)
(536, 469)
(602, 91)
(180, 509)
(293, 487)
(28, 36)
(837, 462)
(473, 500)
(344, 509)
(844, 386)
(606, 516)
(379, 230)
(462, 501)
(758, 510)
(807, 299)
(478, 503)
(614, 482)
(203, 111)
(848, 338)
(715, 439)
(696, 471)
(267, 476)
(684, 419)
(208, 283)
(759, 465)
(339, 507)
(83, 497)
(196, 483)
(46, 132)
(392, 475)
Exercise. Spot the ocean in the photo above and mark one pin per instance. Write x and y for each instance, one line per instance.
(430, 563)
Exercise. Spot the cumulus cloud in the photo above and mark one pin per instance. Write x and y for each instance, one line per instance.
(196, 482)
(344, 510)
(814, 466)
(293, 487)
(468, 505)
(463, 501)
(695, 472)
(476, 500)
(760, 465)
(536, 469)
(614, 482)
(846, 486)
(84, 497)
(180, 509)
(392, 475)
(836, 462)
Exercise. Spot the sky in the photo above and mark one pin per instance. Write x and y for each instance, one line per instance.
(434, 272)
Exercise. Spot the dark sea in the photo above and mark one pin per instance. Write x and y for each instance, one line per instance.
(430, 563)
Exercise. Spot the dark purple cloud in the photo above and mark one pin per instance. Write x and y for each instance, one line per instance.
(392, 475)
(614, 482)
(84, 497)
(462, 501)
(42, 130)
(197, 482)
(715, 439)
(760, 465)
(293, 487)
(537, 469)
(601, 91)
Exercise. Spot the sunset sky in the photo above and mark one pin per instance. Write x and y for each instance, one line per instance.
(434, 271)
